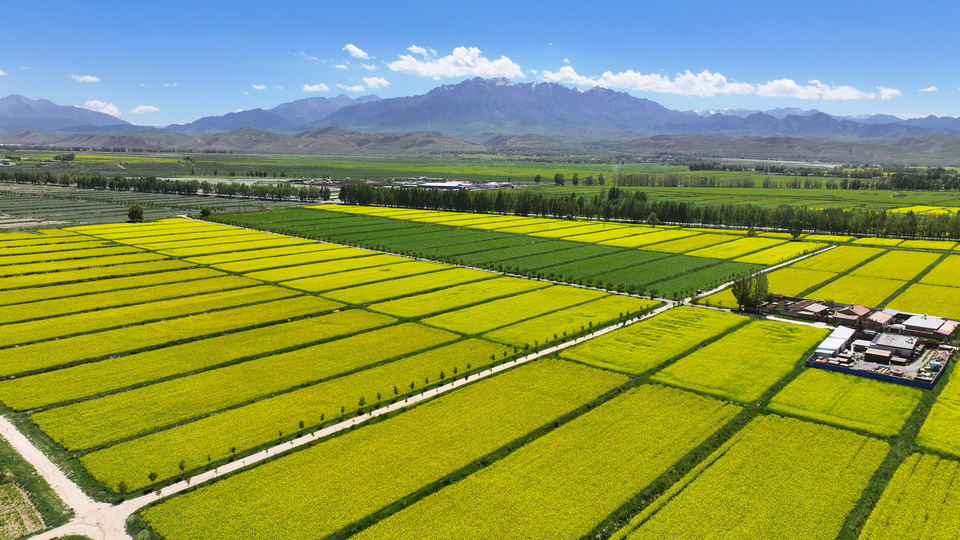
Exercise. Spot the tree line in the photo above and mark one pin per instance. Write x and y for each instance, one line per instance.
(636, 207)
(152, 184)
(895, 178)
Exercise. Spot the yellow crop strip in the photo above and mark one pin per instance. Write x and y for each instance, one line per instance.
(225, 247)
(261, 253)
(870, 241)
(781, 253)
(496, 313)
(554, 326)
(932, 299)
(58, 256)
(378, 274)
(293, 259)
(919, 502)
(450, 433)
(237, 291)
(943, 245)
(691, 243)
(117, 416)
(847, 401)
(774, 463)
(734, 249)
(87, 346)
(71, 264)
(742, 365)
(326, 267)
(643, 238)
(944, 273)
(41, 248)
(789, 281)
(644, 345)
(566, 482)
(454, 297)
(49, 278)
(48, 309)
(850, 289)
(939, 430)
(406, 286)
(903, 265)
(839, 259)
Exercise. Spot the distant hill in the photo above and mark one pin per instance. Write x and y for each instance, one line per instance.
(18, 112)
(295, 113)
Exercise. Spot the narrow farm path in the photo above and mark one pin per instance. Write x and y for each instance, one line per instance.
(768, 269)
(102, 521)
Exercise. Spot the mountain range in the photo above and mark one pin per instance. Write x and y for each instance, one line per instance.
(494, 114)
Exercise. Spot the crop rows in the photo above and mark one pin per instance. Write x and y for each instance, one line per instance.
(939, 430)
(777, 477)
(851, 402)
(71, 264)
(742, 365)
(407, 286)
(904, 265)
(377, 275)
(455, 297)
(932, 299)
(837, 260)
(736, 248)
(83, 274)
(855, 289)
(944, 273)
(563, 484)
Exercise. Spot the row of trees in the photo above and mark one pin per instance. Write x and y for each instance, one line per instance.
(635, 206)
(841, 177)
(152, 184)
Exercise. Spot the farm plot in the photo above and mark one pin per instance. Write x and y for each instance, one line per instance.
(644, 345)
(325, 267)
(773, 464)
(406, 286)
(64, 351)
(709, 276)
(239, 292)
(871, 241)
(692, 243)
(227, 247)
(944, 273)
(556, 325)
(349, 482)
(497, 313)
(788, 281)
(781, 253)
(742, 365)
(642, 238)
(118, 416)
(51, 256)
(606, 234)
(142, 296)
(837, 260)
(933, 299)
(83, 274)
(240, 429)
(943, 245)
(531, 250)
(852, 289)
(8, 250)
(380, 275)
(563, 484)
(455, 297)
(107, 285)
(736, 248)
(939, 430)
(260, 253)
(918, 503)
(575, 252)
(78, 264)
(580, 229)
(847, 401)
(295, 259)
(114, 373)
(904, 265)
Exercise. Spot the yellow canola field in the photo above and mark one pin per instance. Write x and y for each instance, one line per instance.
(455, 297)
(870, 241)
(554, 326)
(642, 237)
(71, 264)
(781, 253)
(263, 263)
(378, 275)
(843, 400)
(736, 248)
(932, 299)
(903, 265)
(81, 274)
(41, 248)
(939, 430)
(88, 346)
(406, 286)
(943, 245)
(60, 256)
(691, 243)
(118, 372)
(789, 281)
(496, 313)
(946, 272)
(644, 345)
(325, 267)
(837, 260)
(922, 209)
(867, 291)
(919, 503)
(774, 463)
(261, 253)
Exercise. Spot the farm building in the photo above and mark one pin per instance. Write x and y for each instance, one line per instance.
(851, 314)
(837, 341)
(923, 324)
(896, 344)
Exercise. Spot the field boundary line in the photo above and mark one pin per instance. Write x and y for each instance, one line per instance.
(704, 294)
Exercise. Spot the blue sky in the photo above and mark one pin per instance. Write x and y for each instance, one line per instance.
(172, 62)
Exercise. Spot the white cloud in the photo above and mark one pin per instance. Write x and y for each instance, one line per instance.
(85, 78)
(278, 87)
(259, 87)
(342, 66)
(462, 62)
(2, 73)
(928, 89)
(99, 106)
(354, 88)
(566, 60)
(316, 88)
(888, 93)
(238, 110)
(707, 84)
(171, 85)
(143, 109)
(307, 56)
(368, 67)
(415, 49)
(376, 82)
(355, 51)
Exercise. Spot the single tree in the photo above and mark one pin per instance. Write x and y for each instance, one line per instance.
(135, 213)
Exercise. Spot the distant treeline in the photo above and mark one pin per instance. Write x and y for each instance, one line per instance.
(635, 206)
(152, 184)
(887, 178)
